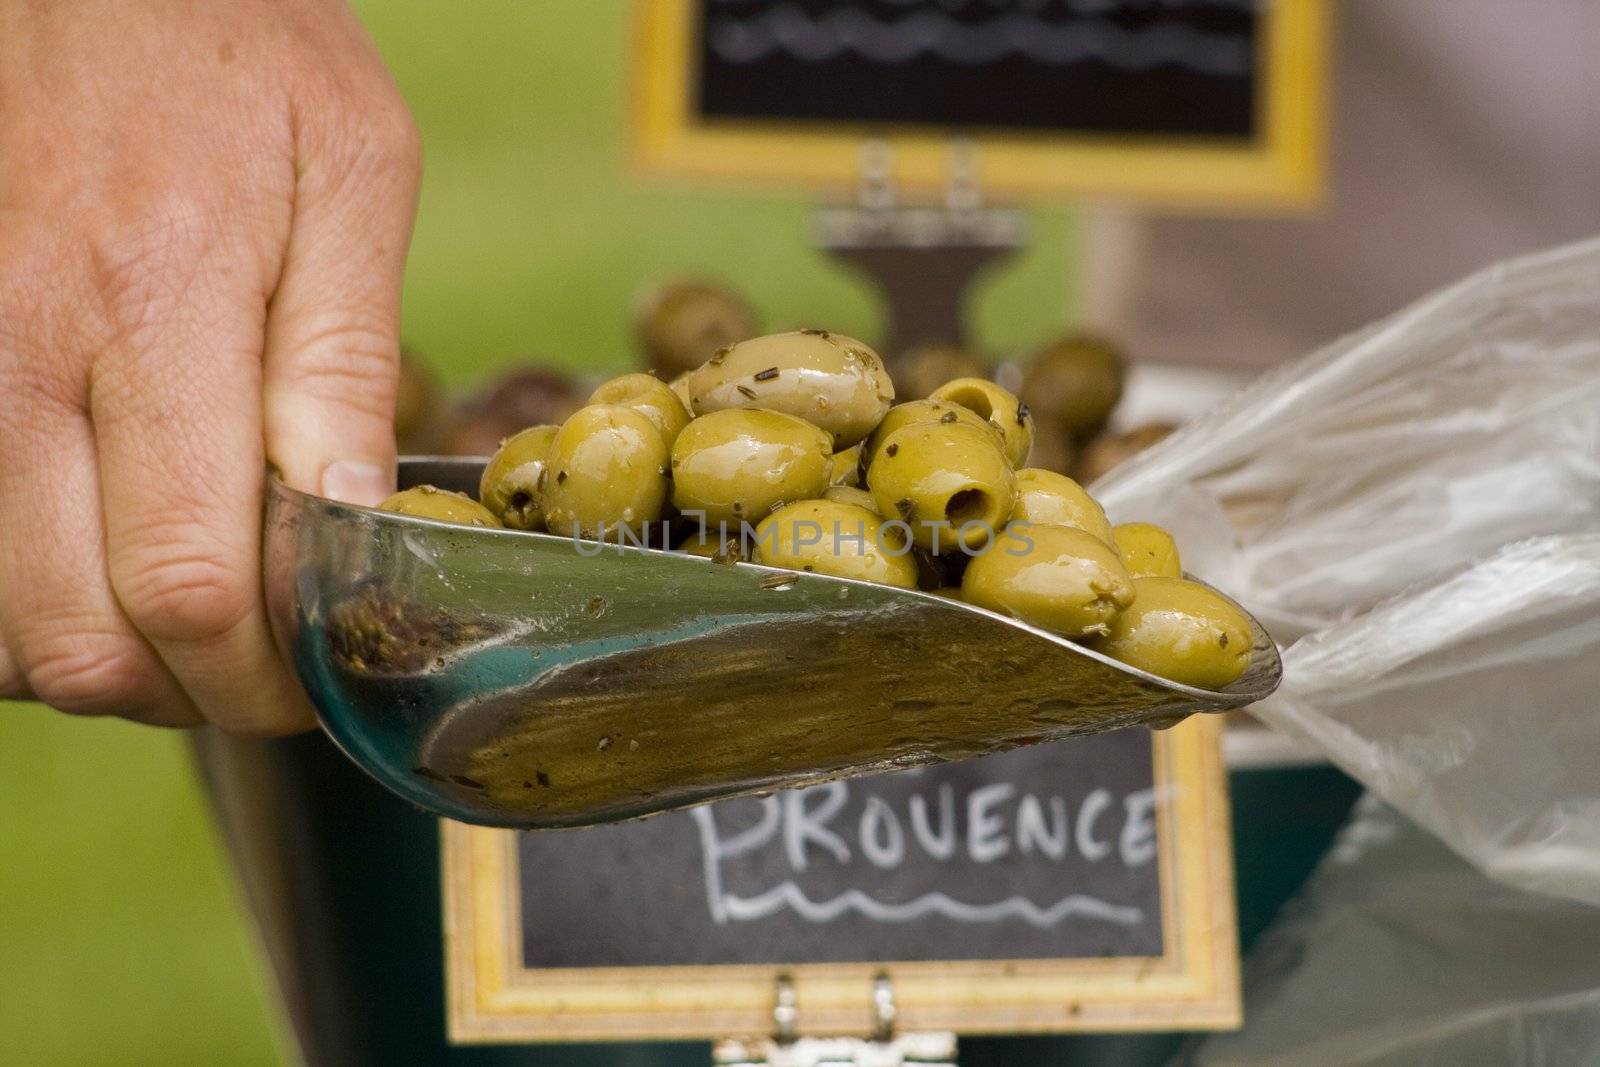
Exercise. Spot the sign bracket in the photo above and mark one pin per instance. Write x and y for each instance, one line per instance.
(923, 257)
(786, 1047)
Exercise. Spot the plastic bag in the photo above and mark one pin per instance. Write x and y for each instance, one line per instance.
(1414, 512)
(1398, 954)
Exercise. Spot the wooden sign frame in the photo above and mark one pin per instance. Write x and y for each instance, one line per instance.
(1282, 169)
(1194, 985)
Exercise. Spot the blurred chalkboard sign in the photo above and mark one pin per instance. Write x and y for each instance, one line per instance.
(1190, 101)
(1083, 885)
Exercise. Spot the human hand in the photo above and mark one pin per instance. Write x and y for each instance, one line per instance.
(204, 213)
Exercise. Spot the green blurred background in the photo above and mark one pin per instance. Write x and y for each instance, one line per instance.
(122, 940)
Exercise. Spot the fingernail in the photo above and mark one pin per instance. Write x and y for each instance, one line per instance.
(354, 482)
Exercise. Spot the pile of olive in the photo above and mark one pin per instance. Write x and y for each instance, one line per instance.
(791, 452)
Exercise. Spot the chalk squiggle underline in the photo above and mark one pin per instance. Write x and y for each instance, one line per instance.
(791, 30)
(789, 895)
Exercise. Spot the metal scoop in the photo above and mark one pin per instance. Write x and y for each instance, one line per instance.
(528, 680)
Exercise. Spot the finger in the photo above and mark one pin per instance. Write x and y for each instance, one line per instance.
(12, 687)
(63, 637)
(175, 405)
(333, 346)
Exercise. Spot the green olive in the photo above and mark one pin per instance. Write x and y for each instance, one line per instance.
(419, 405)
(681, 323)
(427, 502)
(850, 494)
(1181, 631)
(1110, 450)
(949, 482)
(737, 465)
(1045, 498)
(928, 366)
(606, 472)
(680, 389)
(650, 397)
(722, 544)
(1057, 577)
(999, 408)
(914, 411)
(828, 379)
(843, 540)
(1053, 450)
(511, 485)
(1075, 383)
(1147, 550)
(846, 467)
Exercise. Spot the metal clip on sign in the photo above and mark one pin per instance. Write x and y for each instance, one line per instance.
(787, 1048)
(923, 256)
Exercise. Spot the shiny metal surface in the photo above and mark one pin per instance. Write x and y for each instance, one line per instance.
(511, 679)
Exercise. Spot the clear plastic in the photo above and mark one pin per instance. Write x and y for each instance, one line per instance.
(1414, 512)
(1398, 954)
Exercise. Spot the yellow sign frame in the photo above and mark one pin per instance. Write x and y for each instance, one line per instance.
(1194, 985)
(1282, 169)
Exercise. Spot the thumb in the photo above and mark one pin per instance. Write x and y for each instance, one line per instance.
(331, 366)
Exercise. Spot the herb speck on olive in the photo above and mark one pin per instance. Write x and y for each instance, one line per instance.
(766, 375)
(892, 450)
(745, 391)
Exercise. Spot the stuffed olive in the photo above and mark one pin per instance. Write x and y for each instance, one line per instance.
(1045, 498)
(1182, 631)
(843, 540)
(949, 482)
(650, 397)
(1147, 550)
(736, 465)
(512, 483)
(1057, 577)
(428, 502)
(828, 379)
(606, 472)
(1000, 408)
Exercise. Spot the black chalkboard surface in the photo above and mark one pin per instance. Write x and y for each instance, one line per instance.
(1044, 852)
(1182, 102)
(1081, 885)
(1130, 67)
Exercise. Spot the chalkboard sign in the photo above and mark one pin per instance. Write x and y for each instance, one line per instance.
(1080, 885)
(1176, 100)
